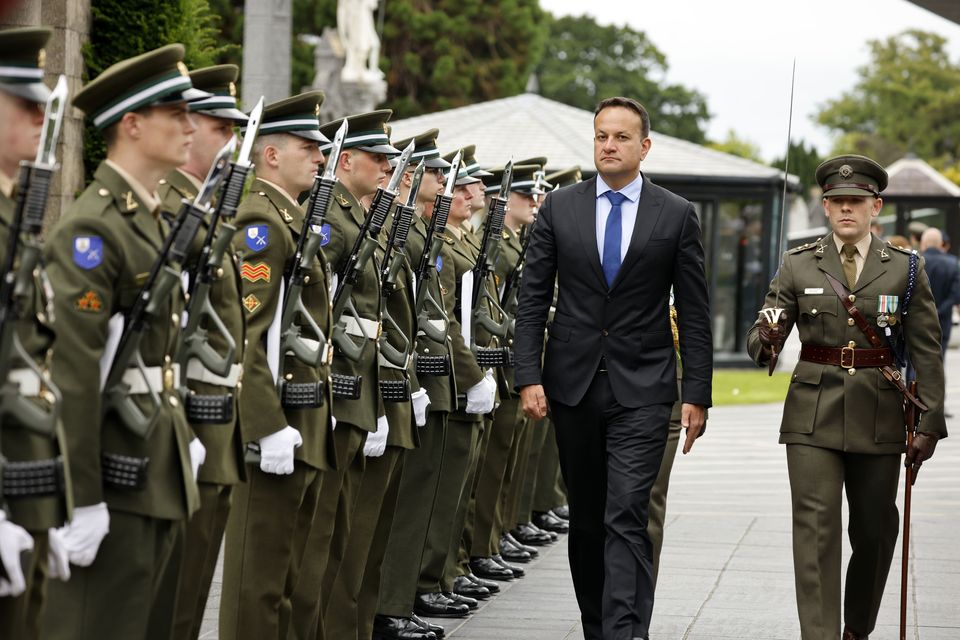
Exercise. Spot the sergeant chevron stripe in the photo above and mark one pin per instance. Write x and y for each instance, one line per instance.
(255, 272)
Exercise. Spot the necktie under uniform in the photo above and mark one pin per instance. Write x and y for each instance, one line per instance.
(612, 235)
(849, 264)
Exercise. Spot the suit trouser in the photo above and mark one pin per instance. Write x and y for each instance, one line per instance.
(182, 597)
(818, 478)
(352, 602)
(20, 617)
(458, 558)
(267, 532)
(112, 598)
(329, 534)
(658, 495)
(463, 436)
(548, 492)
(491, 474)
(417, 494)
(610, 456)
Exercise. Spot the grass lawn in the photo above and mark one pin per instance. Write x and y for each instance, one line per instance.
(748, 386)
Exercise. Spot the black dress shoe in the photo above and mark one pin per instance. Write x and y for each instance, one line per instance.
(562, 512)
(389, 628)
(423, 624)
(550, 522)
(516, 571)
(527, 535)
(531, 550)
(459, 599)
(490, 585)
(489, 569)
(437, 605)
(466, 587)
(550, 534)
(514, 554)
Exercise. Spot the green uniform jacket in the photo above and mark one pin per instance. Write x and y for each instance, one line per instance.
(345, 217)
(441, 389)
(403, 430)
(510, 249)
(269, 225)
(17, 443)
(88, 292)
(827, 406)
(224, 459)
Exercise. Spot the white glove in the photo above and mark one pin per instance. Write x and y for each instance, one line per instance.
(198, 453)
(420, 401)
(276, 451)
(58, 558)
(84, 533)
(333, 422)
(14, 540)
(376, 442)
(481, 396)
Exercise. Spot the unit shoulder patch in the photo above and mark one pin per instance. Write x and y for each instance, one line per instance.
(87, 251)
(257, 237)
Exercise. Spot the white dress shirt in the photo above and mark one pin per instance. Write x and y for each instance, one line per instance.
(628, 213)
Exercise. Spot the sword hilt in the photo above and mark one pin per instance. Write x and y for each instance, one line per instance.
(773, 316)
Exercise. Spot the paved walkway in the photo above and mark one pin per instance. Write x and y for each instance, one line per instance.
(726, 570)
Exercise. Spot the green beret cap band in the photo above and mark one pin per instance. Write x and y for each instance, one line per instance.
(142, 96)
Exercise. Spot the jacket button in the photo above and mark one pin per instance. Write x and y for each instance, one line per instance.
(604, 333)
(852, 298)
(850, 322)
(851, 371)
(813, 312)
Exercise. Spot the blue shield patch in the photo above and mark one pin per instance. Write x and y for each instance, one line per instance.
(439, 263)
(257, 237)
(87, 251)
(325, 235)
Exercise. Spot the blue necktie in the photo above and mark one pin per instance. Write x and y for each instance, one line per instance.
(611, 237)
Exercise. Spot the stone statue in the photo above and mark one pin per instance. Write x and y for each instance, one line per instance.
(361, 44)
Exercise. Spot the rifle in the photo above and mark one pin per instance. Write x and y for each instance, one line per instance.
(193, 339)
(484, 268)
(511, 284)
(163, 277)
(392, 262)
(363, 248)
(308, 249)
(427, 268)
(18, 284)
(912, 418)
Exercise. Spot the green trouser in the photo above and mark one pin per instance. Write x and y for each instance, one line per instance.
(328, 536)
(460, 445)
(352, 602)
(112, 598)
(267, 531)
(417, 494)
(513, 514)
(531, 477)
(549, 492)
(657, 510)
(20, 617)
(818, 478)
(458, 560)
(182, 597)
(491, 473)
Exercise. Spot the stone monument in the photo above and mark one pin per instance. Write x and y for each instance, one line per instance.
(267, 41)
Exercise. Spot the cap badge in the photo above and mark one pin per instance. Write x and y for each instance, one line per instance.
(846, 171)
(232, 88)
(42, 58)
(182, 68)
(316, 110)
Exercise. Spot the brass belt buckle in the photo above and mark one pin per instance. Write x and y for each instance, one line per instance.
(844, 353)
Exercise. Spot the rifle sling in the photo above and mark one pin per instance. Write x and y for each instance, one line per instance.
(891, 374)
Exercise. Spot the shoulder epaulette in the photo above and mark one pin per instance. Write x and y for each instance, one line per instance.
(804, 247)
(900, 249)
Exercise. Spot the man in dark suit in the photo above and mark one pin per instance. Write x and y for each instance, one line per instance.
(609, 370)
(944, 273)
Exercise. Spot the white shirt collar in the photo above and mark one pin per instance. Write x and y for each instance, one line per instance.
(631, 191)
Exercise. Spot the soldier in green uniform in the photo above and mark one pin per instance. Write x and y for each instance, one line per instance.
(273, 512)
(499, 461)
(139, 487)
(843, 420)
(178, 612)
(30, 506)
(420, 479)
(355, 591)
(435, 595)
(357, 409)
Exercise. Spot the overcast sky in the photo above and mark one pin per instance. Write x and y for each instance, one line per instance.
(739, 52)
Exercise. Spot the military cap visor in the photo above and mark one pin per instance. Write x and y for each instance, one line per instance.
(851, 175)
(365, 132)
(155, 77)
(565, 178)
(21, 63)
(425, 149)
(296, 115)
(219, 82)
(523, 181)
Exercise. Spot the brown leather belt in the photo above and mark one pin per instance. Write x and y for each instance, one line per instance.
(847, 357)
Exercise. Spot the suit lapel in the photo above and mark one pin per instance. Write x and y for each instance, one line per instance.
(874, 263)
(648, 212)
(585, 213)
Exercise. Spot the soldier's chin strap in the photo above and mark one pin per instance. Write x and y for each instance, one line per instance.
(891, 374)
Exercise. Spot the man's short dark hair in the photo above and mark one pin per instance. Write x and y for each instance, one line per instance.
(627, 103)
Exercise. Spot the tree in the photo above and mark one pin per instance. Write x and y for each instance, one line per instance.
(907, 99)
(804, 161)
(735, 145)
(584, 62)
